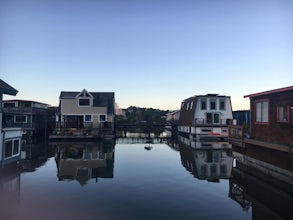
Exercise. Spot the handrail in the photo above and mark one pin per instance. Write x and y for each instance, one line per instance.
(236, 135)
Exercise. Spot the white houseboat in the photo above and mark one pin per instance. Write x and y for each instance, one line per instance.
(205, 116)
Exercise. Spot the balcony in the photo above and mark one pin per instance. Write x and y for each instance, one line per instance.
(211, 122)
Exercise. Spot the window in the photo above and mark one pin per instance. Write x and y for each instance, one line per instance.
(15, 147)
(101, 156)
(12, 148)
(223, 170)
(27, 104)
(213, 104)
(216, 118)
(203, 104)
(283, 113)
(213, 118)
(187, 106)
(20, 119)
(262, 111)
(222, 104)
(102, 118)
(9, 105)
(84, 102)
(88, 118)
(191, 104)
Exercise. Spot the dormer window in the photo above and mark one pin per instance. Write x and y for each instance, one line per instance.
(84, 102)
(84, 99)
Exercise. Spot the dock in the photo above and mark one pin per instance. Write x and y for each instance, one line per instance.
(237, 137)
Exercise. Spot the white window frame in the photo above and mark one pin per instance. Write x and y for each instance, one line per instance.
(262, 111)
(12, 148)
(84, 118)
(87, 98)
(100, 117)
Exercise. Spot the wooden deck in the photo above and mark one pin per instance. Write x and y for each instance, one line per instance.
(82, 134)
(237, 138)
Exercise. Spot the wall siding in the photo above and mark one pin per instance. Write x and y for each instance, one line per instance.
(70, 106)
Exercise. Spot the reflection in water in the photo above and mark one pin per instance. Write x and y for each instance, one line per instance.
(204, 144)
(35, 155)
(209, 163)
(83, 161)
(9, 192)
(266, 188)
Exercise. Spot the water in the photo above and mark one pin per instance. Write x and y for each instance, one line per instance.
(123, 180)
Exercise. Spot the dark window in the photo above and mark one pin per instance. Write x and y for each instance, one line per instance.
(203, 104)
(222, 105)
(84, 102)
(20, 119)
(213, 104)
(8, 148)
(9, 105)
(87, 118)
(102, 118)
(209, 118)
(223, 170)
(216, 118)
(16, 147)
(283, 113)
(213, 118)
(27, 104)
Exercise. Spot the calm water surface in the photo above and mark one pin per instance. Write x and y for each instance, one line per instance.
(122, 180)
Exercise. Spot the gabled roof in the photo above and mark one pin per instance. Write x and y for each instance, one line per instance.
(7, 89)
(285, 89)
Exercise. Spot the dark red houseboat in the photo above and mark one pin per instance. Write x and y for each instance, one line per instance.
(271, 121)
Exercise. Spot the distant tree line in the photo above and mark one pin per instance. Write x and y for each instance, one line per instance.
(141, 120)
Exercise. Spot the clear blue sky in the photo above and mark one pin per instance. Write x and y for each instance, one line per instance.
(151, 53)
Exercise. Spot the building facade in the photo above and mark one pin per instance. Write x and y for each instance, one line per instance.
(272, 115)
(205, 116)
(87, 110)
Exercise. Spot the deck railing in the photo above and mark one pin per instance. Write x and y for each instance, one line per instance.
(204, 121)
(236, 135)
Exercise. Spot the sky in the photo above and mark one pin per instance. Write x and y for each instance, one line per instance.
(151, 53)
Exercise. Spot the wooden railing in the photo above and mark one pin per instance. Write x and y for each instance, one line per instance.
(236, 135)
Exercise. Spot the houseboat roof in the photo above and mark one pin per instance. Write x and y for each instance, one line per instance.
(7, 89)
(285, 89)
(207, 95)
(21, 100)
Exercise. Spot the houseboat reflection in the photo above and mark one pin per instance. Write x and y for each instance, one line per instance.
(204, 144)
(212, 163)
(9, 192)
(263, 182)
(82, 161)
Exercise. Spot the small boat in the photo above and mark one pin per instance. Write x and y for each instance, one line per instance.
(148, 147)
